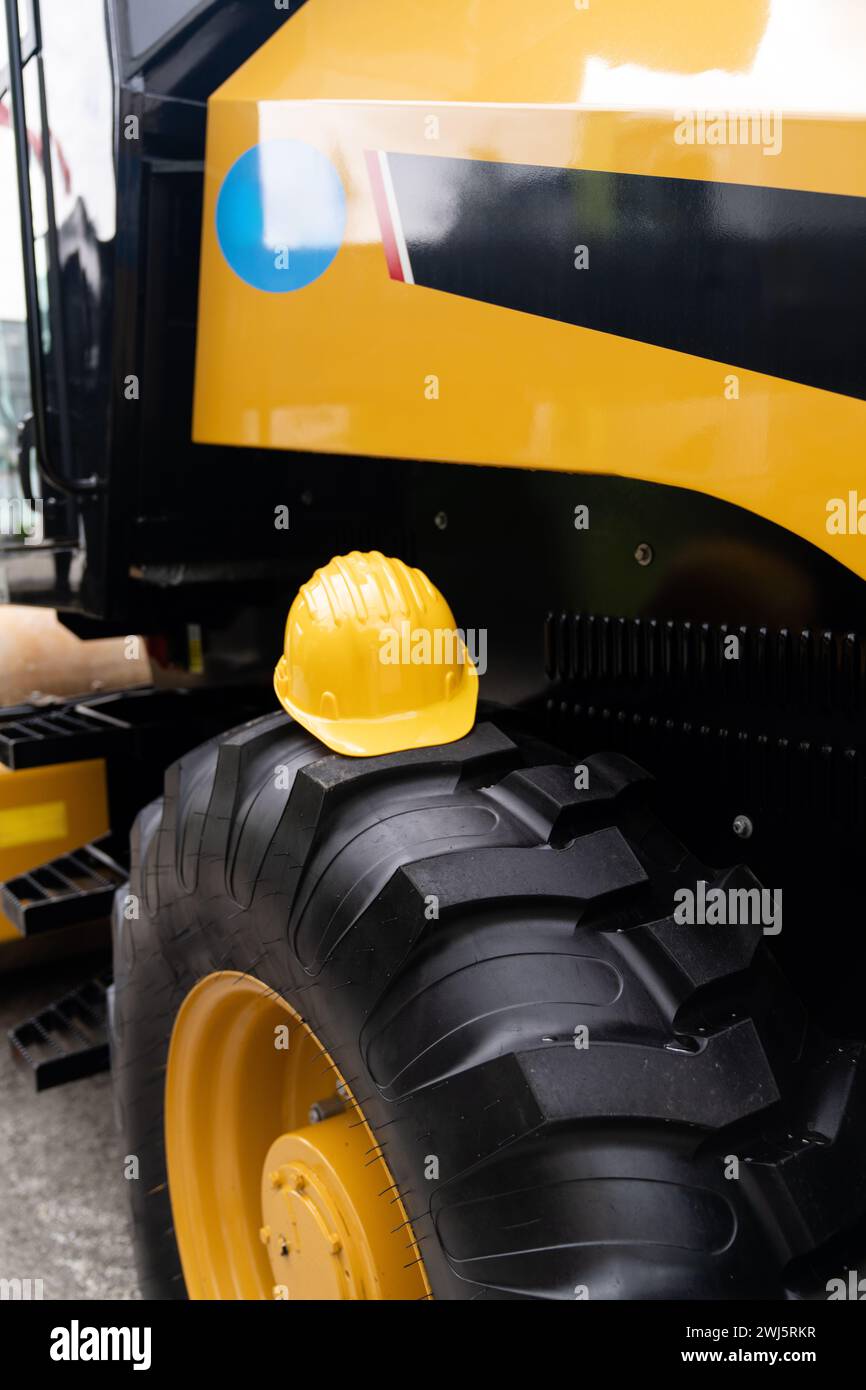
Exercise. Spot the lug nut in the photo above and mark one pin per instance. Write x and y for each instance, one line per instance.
(324, 1109)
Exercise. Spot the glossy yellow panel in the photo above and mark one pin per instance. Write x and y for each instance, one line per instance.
(345, 364)
(45, 811)
(28, 825)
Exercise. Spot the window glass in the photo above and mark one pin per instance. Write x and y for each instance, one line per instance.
(14, 370)
(27, 30)
(148, 21)
(77, 146)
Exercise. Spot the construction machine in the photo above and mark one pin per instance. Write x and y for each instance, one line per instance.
(465, 404)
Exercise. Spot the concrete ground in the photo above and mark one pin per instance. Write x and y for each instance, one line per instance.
(62, 1192)
(62, 1200)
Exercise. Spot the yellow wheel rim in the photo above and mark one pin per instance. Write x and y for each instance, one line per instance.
(266, 1204)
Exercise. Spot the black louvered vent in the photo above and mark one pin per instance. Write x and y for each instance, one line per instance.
(776, 728)
(807, 669)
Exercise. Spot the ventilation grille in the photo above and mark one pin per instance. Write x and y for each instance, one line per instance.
(812, 670)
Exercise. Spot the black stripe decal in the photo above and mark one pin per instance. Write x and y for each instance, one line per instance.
(769, 279)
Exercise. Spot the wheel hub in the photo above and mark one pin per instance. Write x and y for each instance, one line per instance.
(265, 1204)
(315, 1191)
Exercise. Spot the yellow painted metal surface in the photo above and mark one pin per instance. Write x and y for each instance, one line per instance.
(44, 812)
(327, 1231)
(47, 820)
(373, 662)
(344, 365)
(265, 1204)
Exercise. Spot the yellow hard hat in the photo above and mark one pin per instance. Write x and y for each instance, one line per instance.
(373, 662)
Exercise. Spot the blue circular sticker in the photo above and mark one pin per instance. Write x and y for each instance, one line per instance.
(281, 215)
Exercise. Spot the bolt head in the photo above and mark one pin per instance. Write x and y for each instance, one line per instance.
(440, 520)
(276, 1178)
(644, 553)
(743, 827)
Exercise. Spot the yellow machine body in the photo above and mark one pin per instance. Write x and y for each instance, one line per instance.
(360, 361)
(46, 811)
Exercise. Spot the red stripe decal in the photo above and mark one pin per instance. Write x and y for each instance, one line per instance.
(386, 227)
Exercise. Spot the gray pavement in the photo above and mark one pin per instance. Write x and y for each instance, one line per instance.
(62, 1199)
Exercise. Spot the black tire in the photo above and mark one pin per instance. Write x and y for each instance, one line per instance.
(563, 1172)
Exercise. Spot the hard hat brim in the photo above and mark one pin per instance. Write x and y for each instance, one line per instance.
(443, 722)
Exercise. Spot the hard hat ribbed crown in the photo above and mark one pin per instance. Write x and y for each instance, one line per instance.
(367, 588)
(372, 659)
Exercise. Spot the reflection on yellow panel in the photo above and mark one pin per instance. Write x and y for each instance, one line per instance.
(342, 363)
(26, 825)
(46, 811)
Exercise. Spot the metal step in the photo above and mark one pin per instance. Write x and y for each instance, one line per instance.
(124, 725)
(68, 1039)
(67, 733)
(76, 887)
